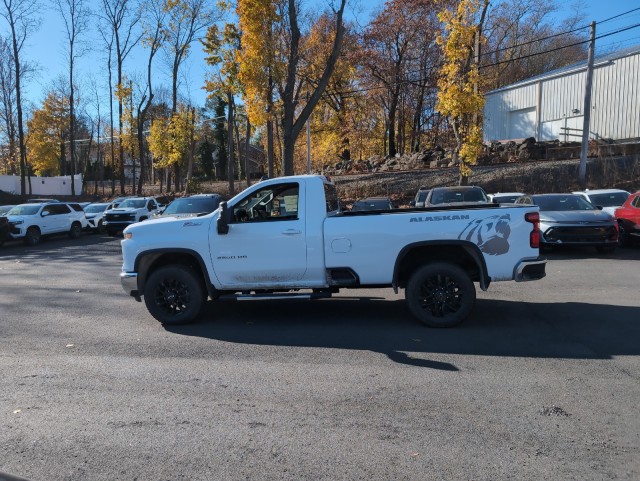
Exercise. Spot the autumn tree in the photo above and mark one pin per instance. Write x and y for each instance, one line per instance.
(259, 65)
(22, 18)
(75, 17)
(458, 97)
(154, 34)
(121, 18)
(222, 48)
(297, 109)
(397, 48)
(9, 161)
(48, 135)
(172, 139)
(187, 21)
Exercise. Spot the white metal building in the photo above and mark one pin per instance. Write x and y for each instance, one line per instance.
(550, 106)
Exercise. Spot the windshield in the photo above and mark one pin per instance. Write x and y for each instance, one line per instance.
(27, 209)
(132, 203)
(609, 200)
(505, 199)
(192, 205)
(422, 195)
(562, 202)
(450, 196)
(95, 208)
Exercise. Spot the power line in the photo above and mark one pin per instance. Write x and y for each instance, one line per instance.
(558, 34)
(560, 48)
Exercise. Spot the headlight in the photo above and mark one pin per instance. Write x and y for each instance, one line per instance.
(128, 235)
(18, 222)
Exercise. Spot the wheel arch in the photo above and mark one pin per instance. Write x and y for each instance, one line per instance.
(465, 254)
(149, 261)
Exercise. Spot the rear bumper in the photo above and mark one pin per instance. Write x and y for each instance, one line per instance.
(530, 269)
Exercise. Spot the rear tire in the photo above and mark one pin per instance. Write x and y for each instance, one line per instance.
(32, 236)
(76, 230)
(440, 294)
(174, 295)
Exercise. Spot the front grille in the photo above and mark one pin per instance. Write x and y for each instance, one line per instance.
(581, 234)
(120, 217)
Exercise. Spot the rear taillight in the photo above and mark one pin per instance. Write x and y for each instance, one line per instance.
(534, 236)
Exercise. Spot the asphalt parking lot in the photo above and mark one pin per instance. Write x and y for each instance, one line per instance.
(541, 382)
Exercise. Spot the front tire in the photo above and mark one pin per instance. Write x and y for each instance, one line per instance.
(174, 295)
(440, 294)
(101, 228)
(32, 236)
(623, 239)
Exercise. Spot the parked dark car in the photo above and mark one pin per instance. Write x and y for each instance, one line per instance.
(191, 206)
(569, 219)
(467, 194)
(372, 203)
(421, 196)
(4, 230)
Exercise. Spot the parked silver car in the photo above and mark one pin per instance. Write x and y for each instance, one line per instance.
(569, 219)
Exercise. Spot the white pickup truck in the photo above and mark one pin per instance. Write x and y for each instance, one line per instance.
(288, 238)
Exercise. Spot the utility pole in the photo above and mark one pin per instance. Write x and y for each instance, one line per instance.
(308, 142)
(230, 161)
(582, 173)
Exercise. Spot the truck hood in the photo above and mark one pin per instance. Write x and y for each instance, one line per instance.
(160, 225)
(122, 211)
(578, 216)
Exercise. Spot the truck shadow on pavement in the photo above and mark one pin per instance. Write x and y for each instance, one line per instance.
(495, 328)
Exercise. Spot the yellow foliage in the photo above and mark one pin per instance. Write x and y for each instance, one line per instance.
(47, 131)
(458, 92)
(170, 138)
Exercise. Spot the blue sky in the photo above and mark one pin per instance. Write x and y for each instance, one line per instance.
(47, 47)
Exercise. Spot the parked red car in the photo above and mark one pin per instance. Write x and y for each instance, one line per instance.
(628, 216)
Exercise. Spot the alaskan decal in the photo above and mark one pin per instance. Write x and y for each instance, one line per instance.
(491, 234)
(431, 218)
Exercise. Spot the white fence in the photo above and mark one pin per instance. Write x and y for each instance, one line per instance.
(41, 185)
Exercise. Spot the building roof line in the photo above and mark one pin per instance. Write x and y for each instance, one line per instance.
(599, 61)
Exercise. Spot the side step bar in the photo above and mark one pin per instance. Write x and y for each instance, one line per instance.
(276, 296)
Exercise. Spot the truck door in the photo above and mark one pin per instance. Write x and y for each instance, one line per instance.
(266, 243)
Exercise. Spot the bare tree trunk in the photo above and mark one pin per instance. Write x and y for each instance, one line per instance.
(290, 96)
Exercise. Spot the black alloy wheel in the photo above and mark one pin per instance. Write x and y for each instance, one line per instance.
(440, 294)
(174, 295)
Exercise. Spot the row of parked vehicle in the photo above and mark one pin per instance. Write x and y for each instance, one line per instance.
(603, 218)
(40, 217)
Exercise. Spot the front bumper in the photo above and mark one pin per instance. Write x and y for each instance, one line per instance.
(530, 269)
(559, 234)
(129, 281)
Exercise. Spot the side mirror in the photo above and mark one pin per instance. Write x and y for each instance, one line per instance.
(45, 213)
(223, 219)
(412, 203)
(599, 207)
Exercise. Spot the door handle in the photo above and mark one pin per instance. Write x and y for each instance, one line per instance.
(292, 232)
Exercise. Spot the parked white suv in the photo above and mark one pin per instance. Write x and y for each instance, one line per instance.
(607, 200)
(31, 221)
(129, 211)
